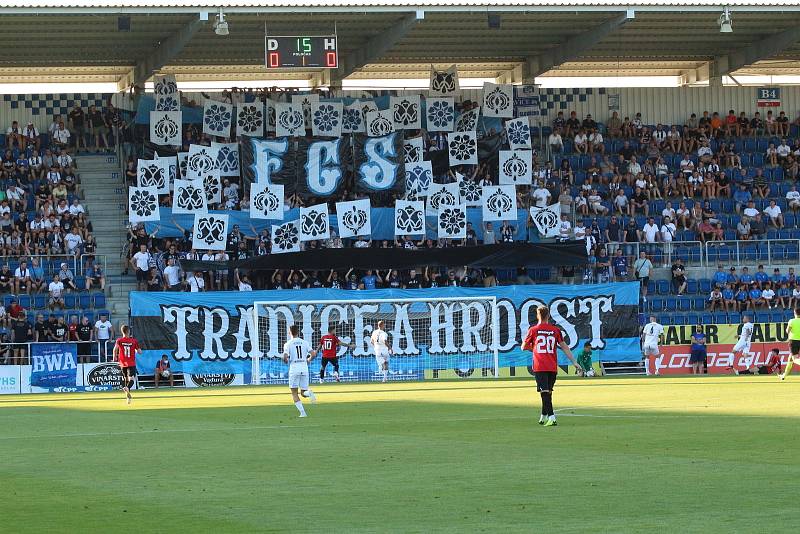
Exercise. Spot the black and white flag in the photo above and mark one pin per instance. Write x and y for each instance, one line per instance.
(200, 161)
(353, 118)
(499, 203)
(452, 222)
(143, 204)
(217, 118)
(498, 100)
(444, 82)
(286, 237)
(547, 220)
(379, 123)
(326, 119)
(440, 114)
(354, 218)
(212, 184)
(153, 173)
(227, 158)
(189, 197)
(406, 111)
(183, 161)
(289, 119)
(442, 195)
(165, 90)
(419, 177)
(515, 167)
(414, 150)
(250, 119)
(409, 217)
(470, 192)
(307, 101)
(518, 132)
(165, 128)
(210, 231)
(462, 148)
(366, 107)
(266, 201)
(171, 163)
(468, 120)
(314, 223)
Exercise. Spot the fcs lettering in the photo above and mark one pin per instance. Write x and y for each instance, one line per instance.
(379, 173)
(322, 168)
(268, 157)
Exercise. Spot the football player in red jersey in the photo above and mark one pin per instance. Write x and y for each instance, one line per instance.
(125, 351)
(543, 340)
(329, 345)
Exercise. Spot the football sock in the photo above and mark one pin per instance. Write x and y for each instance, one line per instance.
(310, 394)
(789, 365)
(547, 402)
(385, 374)
(300, 408)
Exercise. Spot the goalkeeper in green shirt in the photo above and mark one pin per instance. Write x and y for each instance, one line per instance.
(585, 360)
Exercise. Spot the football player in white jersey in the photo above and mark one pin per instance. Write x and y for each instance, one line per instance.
(742, 347)
(297, 352)
(650, 334)
(380, 340)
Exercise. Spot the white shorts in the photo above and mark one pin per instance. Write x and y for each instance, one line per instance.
(298, 378)
(382, 357)
(741, 345)
(650, 349)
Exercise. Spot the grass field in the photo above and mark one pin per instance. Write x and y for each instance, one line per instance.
(689, 454)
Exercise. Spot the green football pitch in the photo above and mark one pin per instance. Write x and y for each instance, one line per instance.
(686, 454)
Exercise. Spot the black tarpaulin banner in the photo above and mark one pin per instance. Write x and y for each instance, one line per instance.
(499, 256)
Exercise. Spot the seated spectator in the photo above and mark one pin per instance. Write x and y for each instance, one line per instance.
(754, 296)
(679, 281)
(163, 372)
(715, 300)
(596, 145)
(581, 142)
(15, 137)
(596, 203)
(760, 186)
(614, 126)
(742, 297)
(743, 229)
(67, 278)
(773, 212)
(640, 203)
(750, 211)
(56, 291)
(22, 278)
(768, 294)
(758, 227)
(555, 141)
(728, 298)
(96, 277)
(771, 156)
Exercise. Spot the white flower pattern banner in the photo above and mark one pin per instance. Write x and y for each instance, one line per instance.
(414, 150)
(499, 203)
(354, 218)
(250, 119)
(289, 120)
(200, 161)
(217, 118)
(227, 158)
(210, 231)
(266, 201)
(409, 217)
(462, 148)
(353, 119)
(440, 114)
(515, 167)
(189, 197)
(498, 100)
(143, 204)
(468, 120)
(379, 123)
(518, 132)
(326, 119)
(451, 222)
(419, 177)
(307, 102)
(286, 237)
(314, 223)
(165, 128)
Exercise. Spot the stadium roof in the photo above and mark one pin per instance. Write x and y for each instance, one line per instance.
(397, 39)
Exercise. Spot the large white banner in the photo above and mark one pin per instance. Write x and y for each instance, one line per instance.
(210, 231)
(354, 218)
(499, 203)
(547, 219)
(143, 204)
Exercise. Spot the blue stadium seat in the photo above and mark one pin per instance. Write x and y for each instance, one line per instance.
(24, 301)
(762, 317)
(679, 319)
(706, 318)
(692, 318)
(699, 303)
(656, 304)
(71, 300)
(85, 301)
(705, 285)
(776, 316)
(787, 314)
(99, 300)
(665, 319)
(734, 317)
(720, 318)
(39, 300)
(670, 304)
(651, 287)
(663, 287)
(684, 303)
(692, 286)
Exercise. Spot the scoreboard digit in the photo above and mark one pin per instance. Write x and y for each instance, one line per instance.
(301, 51)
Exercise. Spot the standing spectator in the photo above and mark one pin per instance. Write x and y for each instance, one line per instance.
(698, 351)
(641, 269)
(619, 263)
(613, 231)
(77, 122)
(668, 236)
(141, 264)
(103, 333)
(196, 282)
(99, 127)
(650, 234)
(21, 334)
(85, 338)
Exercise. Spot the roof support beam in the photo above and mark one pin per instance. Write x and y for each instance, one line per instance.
(162, 55)
(699, 75)
(766, 48)
(376, 47)
(572, 47)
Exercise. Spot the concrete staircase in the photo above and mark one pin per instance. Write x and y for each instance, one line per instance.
(106, 202)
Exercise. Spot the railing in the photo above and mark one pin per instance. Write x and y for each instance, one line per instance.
(768, 251)
(98, 258)
(88, 352)
(662, 253)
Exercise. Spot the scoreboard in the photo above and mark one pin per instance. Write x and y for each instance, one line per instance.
(299, 51)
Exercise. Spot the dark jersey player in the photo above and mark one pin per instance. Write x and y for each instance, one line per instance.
(125, 351)
(329, 345)
(544, 340)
